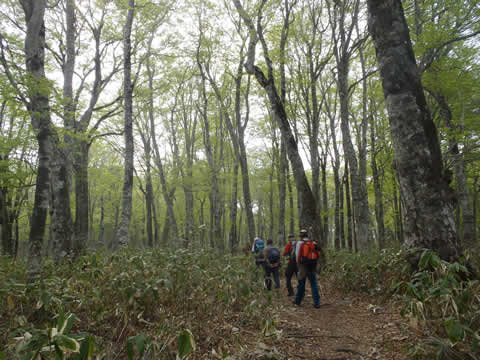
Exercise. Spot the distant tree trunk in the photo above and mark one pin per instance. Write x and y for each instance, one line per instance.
(233, 238)
(149, 197)
(6, 221)
(237, 134)
(350, 233)
(241, 127)
(82, 196)
(202, 222)
(215, 196)
(290, 201)
(397, 206)
(271, 228)
(468, 223)
(101, 226)
(338, 237)
(425, 192)
(167, 194)
(377, 186)
(122, 233)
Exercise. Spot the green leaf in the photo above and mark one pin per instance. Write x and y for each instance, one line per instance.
(425, 259)
(68, 324)
(454, 330)
(67, 342)
(141, 340)
(86, 348)
(130, 350)
(186, 344)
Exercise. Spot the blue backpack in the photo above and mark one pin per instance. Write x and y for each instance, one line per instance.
(259, 245)
(273, 255)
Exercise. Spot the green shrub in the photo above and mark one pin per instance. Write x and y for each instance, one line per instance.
(134, 301)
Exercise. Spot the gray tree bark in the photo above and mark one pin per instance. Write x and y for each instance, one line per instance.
(122, 234)
(425, 192)
(39, 109)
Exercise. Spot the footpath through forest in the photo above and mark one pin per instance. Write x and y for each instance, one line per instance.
(343, 328)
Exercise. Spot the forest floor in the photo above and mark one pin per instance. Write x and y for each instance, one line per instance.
(343, 328)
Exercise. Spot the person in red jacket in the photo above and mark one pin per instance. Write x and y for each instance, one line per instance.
(307, 255)
(292, 263)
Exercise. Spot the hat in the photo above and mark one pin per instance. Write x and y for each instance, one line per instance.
(303, 233)
(291, 236)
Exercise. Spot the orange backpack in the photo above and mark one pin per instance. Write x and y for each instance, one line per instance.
(309, 252)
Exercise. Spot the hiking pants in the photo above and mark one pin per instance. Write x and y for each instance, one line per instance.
(304, 274)
(276, 278)
(289, 271)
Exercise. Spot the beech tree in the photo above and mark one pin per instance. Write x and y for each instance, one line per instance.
(424, 186)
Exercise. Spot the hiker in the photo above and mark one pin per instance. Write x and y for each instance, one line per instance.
(257, 248)
(292, 263)
(307, 254)
(272, 265)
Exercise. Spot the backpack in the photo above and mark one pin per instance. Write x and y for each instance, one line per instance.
(291, 255)
(273, 255)
(309, 253)
(259, 245)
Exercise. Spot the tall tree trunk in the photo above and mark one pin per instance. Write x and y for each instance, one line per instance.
(68, 71)
(425, 192)
(308, 213)
(122, 234)
(39, 110)
(343, 50)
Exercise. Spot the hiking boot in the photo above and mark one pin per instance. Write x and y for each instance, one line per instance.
(294, 302)
(290, 294)
(316, 306)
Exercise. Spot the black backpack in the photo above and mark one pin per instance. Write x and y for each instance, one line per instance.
(273, 255)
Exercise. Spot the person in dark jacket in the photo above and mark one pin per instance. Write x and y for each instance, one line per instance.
(292, 263)
(272, 265)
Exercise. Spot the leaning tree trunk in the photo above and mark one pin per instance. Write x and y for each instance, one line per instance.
(425, 191)
(308, 216)
(121, 237)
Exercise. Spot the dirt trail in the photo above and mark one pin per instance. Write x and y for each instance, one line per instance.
(342, 328)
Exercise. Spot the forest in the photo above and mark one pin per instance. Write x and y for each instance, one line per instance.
(146, 143)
